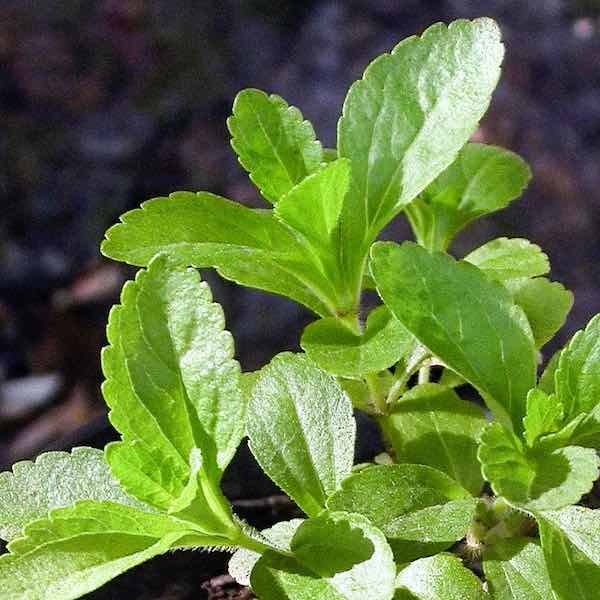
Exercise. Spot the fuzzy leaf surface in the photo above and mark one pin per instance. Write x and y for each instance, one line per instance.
(301, 430)
(439, 577)
(404, 122)
(55, 480)
(339, 352)
(536, 479)
(571, 543)
(481, 180)
(77, 549)
(515, 570)
(248, 246)
(464, 318)
(432, 426)
(419, 509)
(273, 141)
(367, 566)
(510, 258)
(172, 383)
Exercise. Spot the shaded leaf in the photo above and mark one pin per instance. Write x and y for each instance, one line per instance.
(339, 352)
(546, 304)
(419, 509)
(432, 426)
(279, 577)
(481, 180)
(539, 479)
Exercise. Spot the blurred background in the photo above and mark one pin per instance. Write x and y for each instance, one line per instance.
(106, 103)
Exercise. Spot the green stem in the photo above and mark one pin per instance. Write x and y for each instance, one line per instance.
(352, 322)
(424, 373)
(377, 397)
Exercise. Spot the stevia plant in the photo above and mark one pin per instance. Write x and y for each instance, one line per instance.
(459, 507)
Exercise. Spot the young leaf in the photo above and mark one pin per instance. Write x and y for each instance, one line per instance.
(439, 577)
(432, 426)
(54, 480)
(546, 304)
(77, 549)
(339, 352)
(172, 383)
(404, 121)
(504, 259)
(313, 206)
(544, 415)
(273, 142)
(419, 509)
(536, 479)
(301, 430)
(464, 318)
(577, 380)
(481, 180)
(362, 569)
(571, 543)
(250, 247)
(515, 570)
(243, 560)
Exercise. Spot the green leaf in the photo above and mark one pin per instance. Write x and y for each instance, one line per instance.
(419, 509)
(278, 577)
(464, 318)
(577, 375)
(544, 415)
(513, 258)
(571, 543)
(172, 383)
(338, 351)
(546, 382)
(515, 570)
(54, 480)
(546, 304)
(248, 246)
(313, 206)
(432, 426)
(441, 577)
(332, 543)
(243, 561)
(538, 479)
(404, 121)
(301, 430)
(481, 180)
(273, 142)
(77, 549)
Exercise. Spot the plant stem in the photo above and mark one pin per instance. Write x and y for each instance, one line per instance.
(424, 373)
(376, 396)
